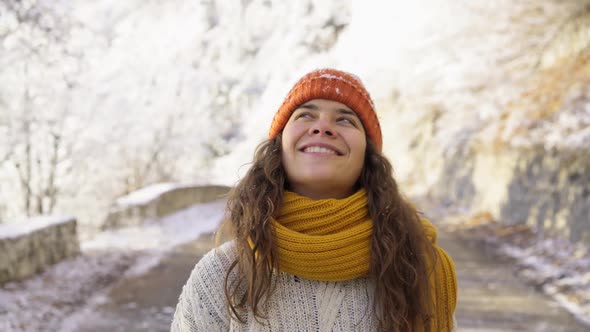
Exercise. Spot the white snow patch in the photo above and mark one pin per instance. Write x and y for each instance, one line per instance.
(554, 265)
(165, 232)
(158, 236)
(17, 229)
(146, 194)
(572, 307)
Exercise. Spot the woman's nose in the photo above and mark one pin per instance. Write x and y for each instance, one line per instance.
(322, 127)
(318, 131)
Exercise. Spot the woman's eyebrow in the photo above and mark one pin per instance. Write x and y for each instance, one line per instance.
(346, 112)
(309, 106)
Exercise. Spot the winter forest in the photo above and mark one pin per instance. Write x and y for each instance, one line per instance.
(484, 105)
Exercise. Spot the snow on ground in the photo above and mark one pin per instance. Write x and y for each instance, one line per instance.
(553, 265)
(144, 195)
(20, 228)
(42, 302)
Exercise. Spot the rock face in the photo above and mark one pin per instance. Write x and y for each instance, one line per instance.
(131, 212)
(544, 186)
(545, 189)
(29, 247)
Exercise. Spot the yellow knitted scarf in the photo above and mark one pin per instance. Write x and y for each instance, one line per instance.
(329, 240)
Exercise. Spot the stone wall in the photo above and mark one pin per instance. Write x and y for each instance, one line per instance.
(546, 189)
(164, 203)
(31, 246)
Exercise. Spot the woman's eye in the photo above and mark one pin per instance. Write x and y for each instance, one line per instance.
(303, 115)
(347, 120)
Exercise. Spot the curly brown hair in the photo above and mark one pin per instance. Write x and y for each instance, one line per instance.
(400, 251)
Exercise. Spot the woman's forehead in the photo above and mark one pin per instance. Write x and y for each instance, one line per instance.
(323, 104)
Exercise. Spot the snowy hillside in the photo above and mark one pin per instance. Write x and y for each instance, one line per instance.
(106, 97)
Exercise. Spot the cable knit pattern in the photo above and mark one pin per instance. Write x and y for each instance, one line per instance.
(298, 304)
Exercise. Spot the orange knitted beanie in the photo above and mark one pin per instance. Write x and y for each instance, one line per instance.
(333, 85)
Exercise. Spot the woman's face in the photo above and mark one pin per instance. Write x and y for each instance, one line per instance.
(323, 149)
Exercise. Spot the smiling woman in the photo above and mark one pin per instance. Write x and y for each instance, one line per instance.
(323, 240)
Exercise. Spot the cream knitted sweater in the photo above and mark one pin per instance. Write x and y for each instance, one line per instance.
(297, 304)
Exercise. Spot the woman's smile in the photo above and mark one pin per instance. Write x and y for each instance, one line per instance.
(320, 149)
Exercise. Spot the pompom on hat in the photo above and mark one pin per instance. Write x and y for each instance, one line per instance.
(330, 84)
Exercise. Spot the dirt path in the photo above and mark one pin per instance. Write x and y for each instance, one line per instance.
(146, 302)
(490, 297)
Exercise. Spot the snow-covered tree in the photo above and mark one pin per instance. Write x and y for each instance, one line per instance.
(38, 73)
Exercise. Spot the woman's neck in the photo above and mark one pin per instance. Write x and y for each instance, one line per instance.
(322, 193)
